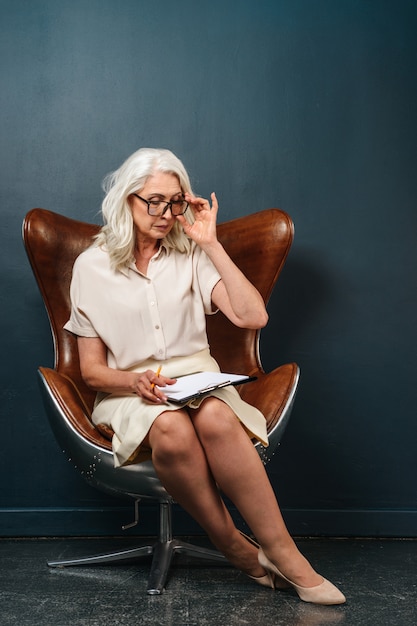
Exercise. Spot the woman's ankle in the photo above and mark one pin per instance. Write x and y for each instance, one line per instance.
(241, 554)
(295, 567)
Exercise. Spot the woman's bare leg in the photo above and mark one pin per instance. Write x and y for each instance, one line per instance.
(182, 467)
(240, 474)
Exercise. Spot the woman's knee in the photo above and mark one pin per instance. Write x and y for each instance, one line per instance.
(172, 436)
(215, 419)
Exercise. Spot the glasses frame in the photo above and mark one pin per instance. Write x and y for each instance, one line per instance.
(168, 205)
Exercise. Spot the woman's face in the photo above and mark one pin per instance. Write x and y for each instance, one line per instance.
(159, 186)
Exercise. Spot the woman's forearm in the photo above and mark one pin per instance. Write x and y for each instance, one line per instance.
(108, 380)
(243, 302)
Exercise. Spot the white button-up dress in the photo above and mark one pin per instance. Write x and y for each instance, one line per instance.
(145, 322)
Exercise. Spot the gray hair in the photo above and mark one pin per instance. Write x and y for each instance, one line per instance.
(118, 231)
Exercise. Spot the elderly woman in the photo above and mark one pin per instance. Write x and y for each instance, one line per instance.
(140, 295)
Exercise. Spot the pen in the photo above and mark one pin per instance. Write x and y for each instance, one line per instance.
(158, 371)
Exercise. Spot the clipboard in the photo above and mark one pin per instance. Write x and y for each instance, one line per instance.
(197, 385)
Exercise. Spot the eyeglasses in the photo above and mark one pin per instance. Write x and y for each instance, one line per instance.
(157, 208)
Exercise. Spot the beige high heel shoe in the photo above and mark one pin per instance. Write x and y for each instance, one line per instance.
(269, 579)
(325, 593)
(266, 581)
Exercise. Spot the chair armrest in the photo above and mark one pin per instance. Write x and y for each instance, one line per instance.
(65, 393)
(272, 393)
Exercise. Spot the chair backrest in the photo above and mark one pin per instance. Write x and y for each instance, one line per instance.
(258, 243)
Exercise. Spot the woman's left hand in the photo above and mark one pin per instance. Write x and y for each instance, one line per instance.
(203, 231)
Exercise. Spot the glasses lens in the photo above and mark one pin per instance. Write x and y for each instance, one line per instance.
(179, 207)
(155, 208)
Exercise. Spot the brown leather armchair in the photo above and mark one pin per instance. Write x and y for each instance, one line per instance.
(259, 244)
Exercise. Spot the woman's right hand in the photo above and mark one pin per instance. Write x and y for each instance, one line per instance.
(147, 386)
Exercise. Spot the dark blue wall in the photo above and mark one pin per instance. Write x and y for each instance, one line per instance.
(309, 106)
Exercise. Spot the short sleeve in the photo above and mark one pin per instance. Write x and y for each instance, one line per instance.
(79, 323)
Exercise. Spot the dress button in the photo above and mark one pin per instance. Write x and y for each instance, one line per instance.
(157, 327)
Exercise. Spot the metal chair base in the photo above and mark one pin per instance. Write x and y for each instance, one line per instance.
(163, 551)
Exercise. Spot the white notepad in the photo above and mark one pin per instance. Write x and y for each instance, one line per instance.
(195, 385)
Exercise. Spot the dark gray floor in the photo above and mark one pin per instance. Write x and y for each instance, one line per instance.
(378, 577)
